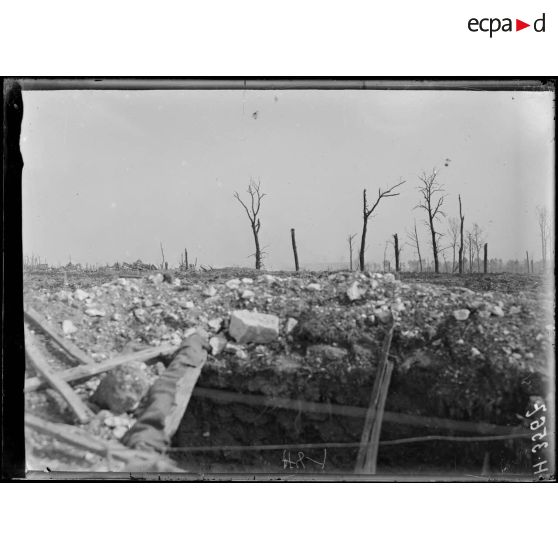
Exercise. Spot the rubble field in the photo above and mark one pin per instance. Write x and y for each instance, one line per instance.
(469, 348)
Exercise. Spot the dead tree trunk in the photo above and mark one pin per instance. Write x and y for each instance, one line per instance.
(485, 258)
(256, 197)
(185, 259)
(293, 239)
(429, 190)
(527, 255)
(366, 212)
(396, 247)
(461, 219)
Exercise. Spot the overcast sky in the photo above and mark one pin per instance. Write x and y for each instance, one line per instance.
(109, 175)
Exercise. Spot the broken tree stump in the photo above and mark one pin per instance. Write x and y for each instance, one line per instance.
(39, 362)
(293, 239)
(167, 400)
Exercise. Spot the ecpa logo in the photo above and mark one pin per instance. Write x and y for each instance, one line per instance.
(494, 24)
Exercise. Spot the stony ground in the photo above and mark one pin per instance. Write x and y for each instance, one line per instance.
(469, 348)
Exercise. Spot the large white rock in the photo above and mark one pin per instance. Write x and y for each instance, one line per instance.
(253, 327)
(68, 327)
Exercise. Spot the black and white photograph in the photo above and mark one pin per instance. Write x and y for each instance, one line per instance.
(287, 279)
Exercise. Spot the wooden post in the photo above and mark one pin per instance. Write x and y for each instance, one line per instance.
(396, 246)
(485, 257)
(527, 254)
(185, 258)
(350, 238)
(368, 451)
(461, 219)
(294, 249)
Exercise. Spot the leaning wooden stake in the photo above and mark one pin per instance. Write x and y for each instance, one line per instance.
(294, 248)
(368, 452)
(37, 320)
(168, 398)
(38, 361)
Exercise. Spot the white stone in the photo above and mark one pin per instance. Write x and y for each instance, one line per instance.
(215, 324)
(269, 279)
(291, 324)
(461, 315)
(248, 295)
(314, 287)
(253, 327)
(68, 327)
(157, 278)
(217, 344)
(475, 352)
(210, 291)
(95, 312)
(497, 311)
(81, 295)
(389, 278)
(354, 292)
(247, 280)
(515, 310)
(233, 283)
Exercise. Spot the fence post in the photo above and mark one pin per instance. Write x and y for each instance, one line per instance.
(294, 248)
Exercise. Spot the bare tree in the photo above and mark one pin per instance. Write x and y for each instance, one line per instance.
(453, 232)
(461, 221)
(478, 242)
(387, 192)
(256, 196)
(350, 239)
(414, 241)
(433, 199)
(470, 247)
(544, 229)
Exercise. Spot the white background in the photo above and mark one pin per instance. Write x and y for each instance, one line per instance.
(281, 38)
(273, 37)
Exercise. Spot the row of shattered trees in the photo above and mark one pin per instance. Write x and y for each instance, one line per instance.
(468, 248)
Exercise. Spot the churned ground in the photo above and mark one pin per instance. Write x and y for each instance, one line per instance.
(467, 348)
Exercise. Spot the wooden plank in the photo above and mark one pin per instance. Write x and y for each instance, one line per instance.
(76, 437)
(37, 320)
(371, 451)
(370, 431)
(78, 407)
(86, 371)
(355, 412)
(168, 398)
